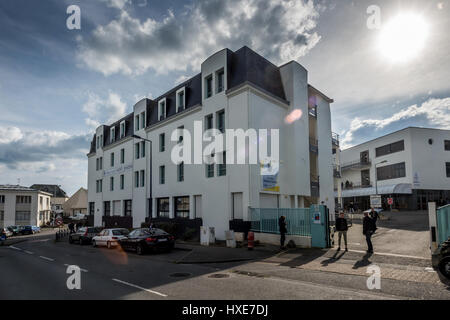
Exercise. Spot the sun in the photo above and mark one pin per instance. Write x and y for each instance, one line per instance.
(403, 38)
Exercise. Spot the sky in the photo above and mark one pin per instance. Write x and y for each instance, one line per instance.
(57, 85)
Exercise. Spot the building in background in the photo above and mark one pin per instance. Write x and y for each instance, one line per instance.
(137, 180)
(411, 165)
(77, 204)
(59, 196)
(23, 206)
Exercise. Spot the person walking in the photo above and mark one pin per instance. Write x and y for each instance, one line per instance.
(368, 230)
(374, 215)
(283, 231)
(342, 228)
(71, 227)
(351, 208)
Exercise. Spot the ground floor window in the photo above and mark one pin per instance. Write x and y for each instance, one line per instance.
(182, 207)
(2, 215)
(23, 215)
(107, 208)
(91, 208)
(127, 208)
(163, 207)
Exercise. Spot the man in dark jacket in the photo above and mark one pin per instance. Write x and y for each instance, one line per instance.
(283, 230)
(368, 230)
(374, 215)
(342, 228)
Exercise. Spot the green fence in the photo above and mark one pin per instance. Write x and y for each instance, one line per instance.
(443, 223)
(266, 221)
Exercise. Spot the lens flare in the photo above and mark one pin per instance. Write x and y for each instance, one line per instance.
(294, 116)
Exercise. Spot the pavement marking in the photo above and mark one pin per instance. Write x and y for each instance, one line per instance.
(15, 248)
(138, 287)
(81, 269)
(391, 254)
(430, 269)
(29, 252)
(46, 258)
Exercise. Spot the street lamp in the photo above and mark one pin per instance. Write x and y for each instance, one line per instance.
(376, 176)
(151, 160)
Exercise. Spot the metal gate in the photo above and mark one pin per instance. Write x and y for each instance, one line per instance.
(443, 223)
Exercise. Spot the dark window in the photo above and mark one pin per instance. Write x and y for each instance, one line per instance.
(136, 179)
(447, 169)
(23, 199)
(208, 86)
(182, 207)
(122, 182)
(122, 155)
(180, 100)
(163, 207)
(208, 122)
(221, 121)
(222, 168)
(220, 80)
(180, 169)
(162, 142)
(447, 145)
(2, 199)
(142, 178)
(91, 208)
(107, 208)
(210, 170)
(394, 171)
(143, 149)
(127, 208)
(111, 184)
(162, 175)
(136, 149)
(390, 148)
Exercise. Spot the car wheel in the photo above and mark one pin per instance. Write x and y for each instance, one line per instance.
(108, 245)
(93, 243)
(140, 249)
(444, 267)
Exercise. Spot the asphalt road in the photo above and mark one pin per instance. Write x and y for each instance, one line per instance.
(36, 269)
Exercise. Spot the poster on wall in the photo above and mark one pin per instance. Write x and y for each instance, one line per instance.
(269, 176)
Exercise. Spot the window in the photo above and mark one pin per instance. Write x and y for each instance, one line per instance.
(447, 169)
(2, 215)
(180, 172)
(97, 164)
(91, 208)
(208, 122)
(162, 110)
(2, 199)
(394, 171)
(162, 175)
(162, 142)
(208, 86)
(112, 159)
(163, 207)
(182, 207)
(143, 122)
(122, 156)
(127, 208)
(447, 145)
(221, 121)
(220, 80)
(99, 186)
(101, 141)
(98, 142)
(136, 179)
(112, 137)
(122, 129)
(180, 134)
(111, 184)
(222, 167)
(136, 123)
(23, 199)
(23, 215)
(210, 170)
(101, 163)
(142, 178)
(142, 149)
(122, 182)
(390, 148)
(136, 150)
(180, 100)
(107, 208)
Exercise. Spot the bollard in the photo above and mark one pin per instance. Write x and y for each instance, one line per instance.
(251, 240)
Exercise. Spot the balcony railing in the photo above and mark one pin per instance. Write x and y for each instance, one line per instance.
(358, 185)
(356, 164)
(337, 171)
(315, 186)
(335, 139)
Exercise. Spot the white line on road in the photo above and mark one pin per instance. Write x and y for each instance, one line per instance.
(29, 252)
(391, 254)
(140, 288)
(15, 248)
(45, 258)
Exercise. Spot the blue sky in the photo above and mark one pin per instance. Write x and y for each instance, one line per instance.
(57, 84)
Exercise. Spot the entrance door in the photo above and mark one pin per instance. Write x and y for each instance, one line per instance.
(238, 211)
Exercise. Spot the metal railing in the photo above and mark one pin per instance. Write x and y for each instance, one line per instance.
(335, 139)
(313, 145)
(266, 220)
(359, 185)
(356, 164)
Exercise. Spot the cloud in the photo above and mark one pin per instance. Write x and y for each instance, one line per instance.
(130, 46)
(10, 134)
(433, 113)
(36, 150)
(181, 79)
(119, 4)
(104, 110)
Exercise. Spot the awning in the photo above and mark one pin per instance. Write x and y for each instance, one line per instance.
(401, 188)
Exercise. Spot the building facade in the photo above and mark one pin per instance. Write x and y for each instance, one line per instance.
(128, 176)
(76, 204)
(411, 165)
(23, 206)
(59, 196)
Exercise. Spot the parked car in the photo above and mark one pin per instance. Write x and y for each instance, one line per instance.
(441, 259)
(36, 229)
(84, 235)
(14, 229)
(110, 237)
(26, 230)
(144, 240)
(8, 233)
(378, 210)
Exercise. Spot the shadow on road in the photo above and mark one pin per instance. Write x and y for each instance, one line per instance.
(364, 262)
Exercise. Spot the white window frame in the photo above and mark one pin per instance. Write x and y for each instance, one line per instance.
(112, 135)
(160, 102)
(181, 90)
(143, 120)
(136, 123)
(216, 89)
(122, 131)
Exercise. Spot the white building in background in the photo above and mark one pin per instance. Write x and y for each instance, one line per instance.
(235, 90)
(23, 206)
(411, 165)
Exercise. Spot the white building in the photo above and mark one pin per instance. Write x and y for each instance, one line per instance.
(23, 206)
(412, 165)
(235, 90)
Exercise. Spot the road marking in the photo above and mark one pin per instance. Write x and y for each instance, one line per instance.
(140, 288)
(45, 258)
(15, 248)
(429, 269)
(29, 252)
(81, 269)
(392, 255)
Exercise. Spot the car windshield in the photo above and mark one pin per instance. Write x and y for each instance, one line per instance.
(154, 232)
(120, 232)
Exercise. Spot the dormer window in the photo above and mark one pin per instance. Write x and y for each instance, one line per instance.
(122, 129)
(136, 123)
(143, 122)
(181, 100)
(220, 81)
(162, 109)
(112, 137)
(98, 142)
(208, 86)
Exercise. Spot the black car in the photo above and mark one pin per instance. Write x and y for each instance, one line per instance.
(26, 230)
(84, 235)
(441, 259)
(144, 240)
